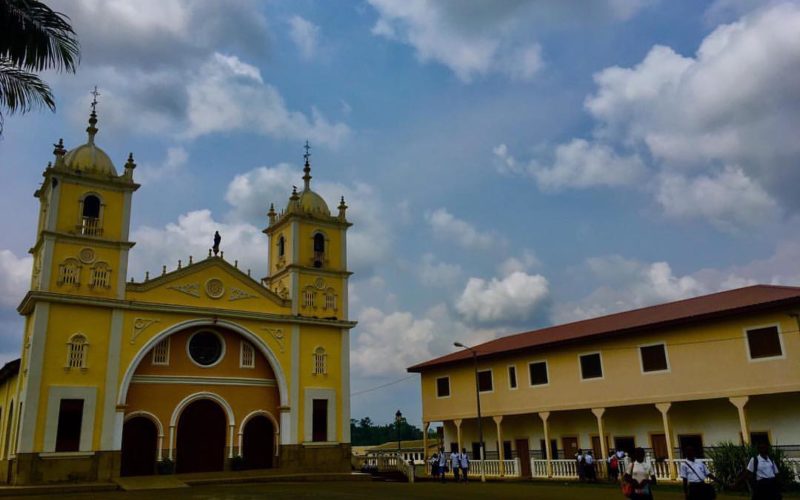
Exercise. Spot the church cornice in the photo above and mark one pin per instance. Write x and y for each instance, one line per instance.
(81, 240)
(308, 270)
(286, 218)
(32, 297)
(111, 183)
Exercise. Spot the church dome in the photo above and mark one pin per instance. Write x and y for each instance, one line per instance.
(89, 158)
(312, 202)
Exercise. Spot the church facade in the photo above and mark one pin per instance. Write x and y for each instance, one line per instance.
(201, 368)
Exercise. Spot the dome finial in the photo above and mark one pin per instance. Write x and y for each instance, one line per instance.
(91, 129)
(307, 168)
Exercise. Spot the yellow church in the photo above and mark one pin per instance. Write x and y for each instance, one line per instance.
(201, 368)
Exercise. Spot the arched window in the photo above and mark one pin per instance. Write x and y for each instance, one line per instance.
(69, 272)
(320, 361)
(90, 216)
(76, 351)
(281, 246)
(330, 300)
(101, 275)
(247, 355)
(309, 297)
(319, 249)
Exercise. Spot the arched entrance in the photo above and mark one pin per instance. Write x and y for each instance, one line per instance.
(258, 443)
(201, 438)
(139, 447)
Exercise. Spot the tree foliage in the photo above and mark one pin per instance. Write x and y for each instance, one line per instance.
(33, 38)
(730, 460)
(364, 432)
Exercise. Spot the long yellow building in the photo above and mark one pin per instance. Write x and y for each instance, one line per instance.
(200, 367)
(721, 367)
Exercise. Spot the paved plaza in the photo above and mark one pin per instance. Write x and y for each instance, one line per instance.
(388, 491)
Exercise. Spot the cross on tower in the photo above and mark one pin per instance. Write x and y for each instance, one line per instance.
(94, 93)
(307, 155)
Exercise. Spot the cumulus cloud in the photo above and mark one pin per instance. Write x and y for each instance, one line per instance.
(514, 298)
(173, 165)
(305, 36)
(447, 226)
(729, 199)
(369, 242)
(523, 263)
(230, 95)
(15, 277)
(628, 284)
(721, 121)
(438, 274)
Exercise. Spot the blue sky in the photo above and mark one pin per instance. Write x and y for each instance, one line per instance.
(508, 165)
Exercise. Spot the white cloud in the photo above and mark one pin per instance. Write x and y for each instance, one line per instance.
(729, 199)
(504, 162)
(230, 95)
(172, 166)
(305, 36)
(523, 263)
(388, 343)
(15, 277)
(446, 226)
(369, 241)
(438, 274)
(440, 32)
(628, 284)
(515, 298)
(193, 235)
(581, 164)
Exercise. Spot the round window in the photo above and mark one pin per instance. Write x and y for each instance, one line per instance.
(205, 348)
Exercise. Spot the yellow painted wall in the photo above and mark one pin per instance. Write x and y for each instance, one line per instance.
(8, 418)
(707, 360)
(330, 340)
(69, 216)
(64, 250)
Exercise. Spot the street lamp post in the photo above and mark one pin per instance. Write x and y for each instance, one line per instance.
(397, 419)
(478, 399)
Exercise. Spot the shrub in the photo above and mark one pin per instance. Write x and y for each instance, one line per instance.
(731, 459)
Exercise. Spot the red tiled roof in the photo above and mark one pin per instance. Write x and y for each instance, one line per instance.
(683, 311)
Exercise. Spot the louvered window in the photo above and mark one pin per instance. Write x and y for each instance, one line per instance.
(247, 355)
(76, 351)
(161, 353)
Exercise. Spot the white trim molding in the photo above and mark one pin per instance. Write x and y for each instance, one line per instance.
(750, 358)
(310, 394)
(200, 380)
(54, 397)
(159, 428)
(271, 418)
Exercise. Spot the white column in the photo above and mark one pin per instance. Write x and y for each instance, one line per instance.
(598, 413)
(664, 409)
(744, 425)
(458, 423)
(498, 420)
(544, 415)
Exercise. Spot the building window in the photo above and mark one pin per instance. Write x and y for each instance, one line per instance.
(485, 381)
(538, 373)
(591, 366)
(309, 297)
(90, 216)
(330, 300)
(206, 348)
(281, 246)
(512, 377)
(654, 358)
(101, 275)
(247, 355)
(70, 418)
(320, 361)
(69, 272)
(319, 420)
(76, 351)
(764, 342)
(319, 249)
(161, 353)
(443, 387)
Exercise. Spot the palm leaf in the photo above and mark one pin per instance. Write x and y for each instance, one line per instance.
(35, 38)
(20, 90)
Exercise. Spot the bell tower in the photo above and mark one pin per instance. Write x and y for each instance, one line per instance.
(84, 221)
(308, 252)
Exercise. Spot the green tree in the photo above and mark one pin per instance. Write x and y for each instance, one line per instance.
(33, 38)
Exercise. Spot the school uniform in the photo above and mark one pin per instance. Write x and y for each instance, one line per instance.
(765, 475)
(579, 465)
(455, 463)
(588, 467)
(464, 465)
(442, 466)
(695, 474)
(640, 471)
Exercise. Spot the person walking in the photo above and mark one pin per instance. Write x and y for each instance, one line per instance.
(442, 465)
(464, 463)
(579, 465)
(455, 463)
(694, 474)
(434, 463)
(639, 477)
(763, 473)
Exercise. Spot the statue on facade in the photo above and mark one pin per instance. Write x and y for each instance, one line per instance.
(217, 239)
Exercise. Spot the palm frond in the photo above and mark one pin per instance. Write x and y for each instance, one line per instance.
(20, 90)
(34, 37)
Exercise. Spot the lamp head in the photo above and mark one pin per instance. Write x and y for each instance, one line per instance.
(458, 344)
